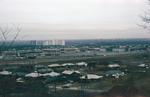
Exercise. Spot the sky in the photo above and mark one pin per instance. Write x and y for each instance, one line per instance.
(75, 19)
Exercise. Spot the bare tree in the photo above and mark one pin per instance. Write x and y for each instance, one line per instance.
(8, 35)
(146, 18)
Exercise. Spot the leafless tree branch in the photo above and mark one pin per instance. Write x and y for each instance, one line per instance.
(145, 19)
(9, 34)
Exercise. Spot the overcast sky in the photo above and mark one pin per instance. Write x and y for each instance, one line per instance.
(75, 19)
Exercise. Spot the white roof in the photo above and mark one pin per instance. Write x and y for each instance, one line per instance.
(82, 64)
(67, 85)
(117, 75)
(52, 74)
(33, 74)
(91, 76)
(142, 65)
(5, 73)
(20, 80)
(54, 65)
(113, 65)
(70, 72)
(68, 64)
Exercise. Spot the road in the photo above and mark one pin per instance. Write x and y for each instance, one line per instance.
(79, 89)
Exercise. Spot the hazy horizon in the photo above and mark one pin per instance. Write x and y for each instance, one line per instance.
(75, 19)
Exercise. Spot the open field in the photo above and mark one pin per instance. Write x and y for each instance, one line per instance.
(135, 78)
(72, 58)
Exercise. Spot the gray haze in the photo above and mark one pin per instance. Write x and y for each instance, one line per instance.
(75, 19)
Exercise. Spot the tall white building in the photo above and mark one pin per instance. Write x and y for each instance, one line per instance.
(47, 42)
(58, 42)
